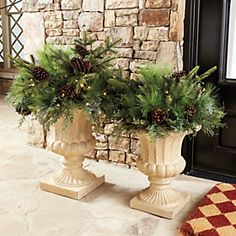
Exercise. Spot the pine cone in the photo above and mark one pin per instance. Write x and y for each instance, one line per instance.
(80, 64)
(81, 50)
(87, 66)
(39, 73)
(157, 116)
(69, 91)
(190, 112)
(23, 110)
(177, 76)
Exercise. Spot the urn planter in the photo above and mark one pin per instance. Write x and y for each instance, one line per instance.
(161, 161)
(72, 142)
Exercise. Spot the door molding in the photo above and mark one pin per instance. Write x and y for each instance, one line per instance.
(191, 54)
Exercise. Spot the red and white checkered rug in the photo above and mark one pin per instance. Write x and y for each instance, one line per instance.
(215, 215)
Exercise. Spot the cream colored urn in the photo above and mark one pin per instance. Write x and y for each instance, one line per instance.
(161, 161)
(72, 142)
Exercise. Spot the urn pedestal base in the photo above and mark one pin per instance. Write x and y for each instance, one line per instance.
(75, 192)
(168, 211)
(161, 161)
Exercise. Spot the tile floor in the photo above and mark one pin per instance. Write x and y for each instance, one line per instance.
(25, 210)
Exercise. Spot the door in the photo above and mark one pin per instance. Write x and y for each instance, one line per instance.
(210, 39)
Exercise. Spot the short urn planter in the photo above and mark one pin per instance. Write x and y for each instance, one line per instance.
(161, 161)
(72, 142)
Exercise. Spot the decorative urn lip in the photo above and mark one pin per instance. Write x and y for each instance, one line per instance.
(170, 132)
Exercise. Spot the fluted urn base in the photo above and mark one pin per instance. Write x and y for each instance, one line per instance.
(73, 143)
(75, 192)
(166, 203)
(161, 161)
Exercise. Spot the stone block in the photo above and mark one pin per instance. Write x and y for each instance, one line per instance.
(118, 143)
(140, 32)
(128, 20)
(71, 32)
(90, 5)
(146, 55)
(126, 12)
(118, 4)
(160, 34)
(62, 40)
(109, 18)
(102, 155)
(53, 24)
(150, 45)
(34, 5)
(96, 44)
(70, 24)
(131, 159)
(136, 64)
(175, 4)
(53, 16)
(91, 21)
(154, 17)
(167, 53)
(158, 4)
(100, 137)
(39, 5)
(54, 32)
(136, 45)
(117, 156)
(44, 1)
(123, 63)
(109, 128)
(125, 52)
(71, 4)
(176, 32)
(101, 35)
(101, 145)
(71, 15)
(123, 33)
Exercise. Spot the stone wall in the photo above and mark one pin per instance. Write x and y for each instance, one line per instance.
(151, 30)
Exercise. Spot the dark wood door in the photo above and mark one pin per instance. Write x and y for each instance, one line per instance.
(206, 44)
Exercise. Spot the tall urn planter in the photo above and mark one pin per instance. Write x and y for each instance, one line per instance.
(72, 142)
(161, 161)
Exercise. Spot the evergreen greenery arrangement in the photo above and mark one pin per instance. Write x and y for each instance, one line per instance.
(63, 80)
(162, 101)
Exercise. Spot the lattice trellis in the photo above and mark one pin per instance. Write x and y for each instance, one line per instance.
(1, 41)
(15, 16)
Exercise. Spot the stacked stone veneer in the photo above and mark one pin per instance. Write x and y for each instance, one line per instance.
(150, 31)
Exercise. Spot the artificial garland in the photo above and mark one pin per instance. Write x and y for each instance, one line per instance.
(63, 80)
(162, 101)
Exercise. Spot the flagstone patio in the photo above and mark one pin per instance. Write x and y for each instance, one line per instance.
(26, 210)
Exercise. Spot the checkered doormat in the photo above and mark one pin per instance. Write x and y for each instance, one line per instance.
(215, 215)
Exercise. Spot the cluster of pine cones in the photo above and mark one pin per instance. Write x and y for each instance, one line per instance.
(176, 76)
(23, 110)
(190, 112)
(79, 63)
(40, 74)
(159, 116)
(69, 91)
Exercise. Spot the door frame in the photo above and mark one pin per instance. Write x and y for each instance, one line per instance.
(190, 59)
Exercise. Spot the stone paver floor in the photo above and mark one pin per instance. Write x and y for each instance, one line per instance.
(25, 210)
